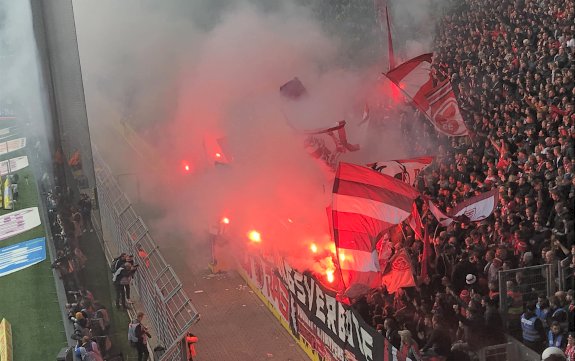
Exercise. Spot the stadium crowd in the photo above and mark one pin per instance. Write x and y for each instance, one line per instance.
(69, 223)
(511, 64)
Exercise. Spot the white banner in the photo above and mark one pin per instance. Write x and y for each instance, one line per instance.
(12, 145)
(13, 165)
(18, 222)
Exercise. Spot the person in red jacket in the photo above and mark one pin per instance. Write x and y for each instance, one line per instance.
(191, 340)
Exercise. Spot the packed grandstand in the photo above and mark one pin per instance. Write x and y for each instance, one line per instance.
(511, 65)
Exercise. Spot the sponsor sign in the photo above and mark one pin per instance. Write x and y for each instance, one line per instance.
(325, 328)
(13, 165)
(12, 145)
(21, 255)
(19, 221)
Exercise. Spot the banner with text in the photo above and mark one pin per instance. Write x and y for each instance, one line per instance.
(18, 221)
(21, 255)
(326, 329)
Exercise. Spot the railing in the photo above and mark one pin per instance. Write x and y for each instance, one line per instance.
(165, 302)
(566, 275)
(534, 281)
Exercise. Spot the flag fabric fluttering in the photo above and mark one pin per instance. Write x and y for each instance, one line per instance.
(400, 274)
(293, 89)
(414, 222)
(365, 204)
(444, 110)
(413, 77)
(437, 102)
(426, 252)
(329, 143)
(406, 170)
(474, 209)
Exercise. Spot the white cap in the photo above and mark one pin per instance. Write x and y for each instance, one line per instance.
(551, 351)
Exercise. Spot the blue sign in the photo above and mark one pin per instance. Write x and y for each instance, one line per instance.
(21, 255)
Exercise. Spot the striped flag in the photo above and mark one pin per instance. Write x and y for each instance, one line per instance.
(414, 78)
(365, 203)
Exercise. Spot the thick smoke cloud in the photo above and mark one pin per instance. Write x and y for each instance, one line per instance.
(21, 92)
(179, 80)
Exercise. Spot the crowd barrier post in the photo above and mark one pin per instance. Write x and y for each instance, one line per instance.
(565, 275)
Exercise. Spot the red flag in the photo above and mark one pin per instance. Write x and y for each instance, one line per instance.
(425, 253)
(444, 111)
(414, 78)
(400, 274)
(406, 170)
(471, 210)
(365, 204)
(415, 222)
(437, 103)
(329, 143)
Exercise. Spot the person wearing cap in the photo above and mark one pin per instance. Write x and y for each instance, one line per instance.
(532, 328)
(553, 354)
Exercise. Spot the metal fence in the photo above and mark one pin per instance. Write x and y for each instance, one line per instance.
(520, 286)
(165, 302)
(566, 275)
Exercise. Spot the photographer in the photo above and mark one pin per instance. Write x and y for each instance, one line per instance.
(122, 278)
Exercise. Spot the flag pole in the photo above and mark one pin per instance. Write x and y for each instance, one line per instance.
(389, 40)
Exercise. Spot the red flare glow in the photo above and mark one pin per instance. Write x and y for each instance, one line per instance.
(329, 275)
(225, 220)
(255, 236)
(218, 155)
(313, 248)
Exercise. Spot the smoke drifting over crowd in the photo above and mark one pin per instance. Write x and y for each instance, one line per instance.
(183, 81)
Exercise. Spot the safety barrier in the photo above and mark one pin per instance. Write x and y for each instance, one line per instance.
(5, 341)
(512, 350)
(566, 275)
(519, 286)
(121, 230)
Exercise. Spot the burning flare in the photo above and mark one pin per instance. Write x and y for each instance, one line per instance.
(313, 248)
(255, 236)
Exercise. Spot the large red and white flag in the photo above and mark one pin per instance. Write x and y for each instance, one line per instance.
(415, 223)
(406, 170)
(474, 209)
(400, 274)
(444, 111)
(364, 205)
(329, 143)
(438, 102)
(414, 78)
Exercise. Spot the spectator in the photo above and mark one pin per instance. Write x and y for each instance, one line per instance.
(570, 348)
(122, 278)
(555, 336)
(138, 334)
